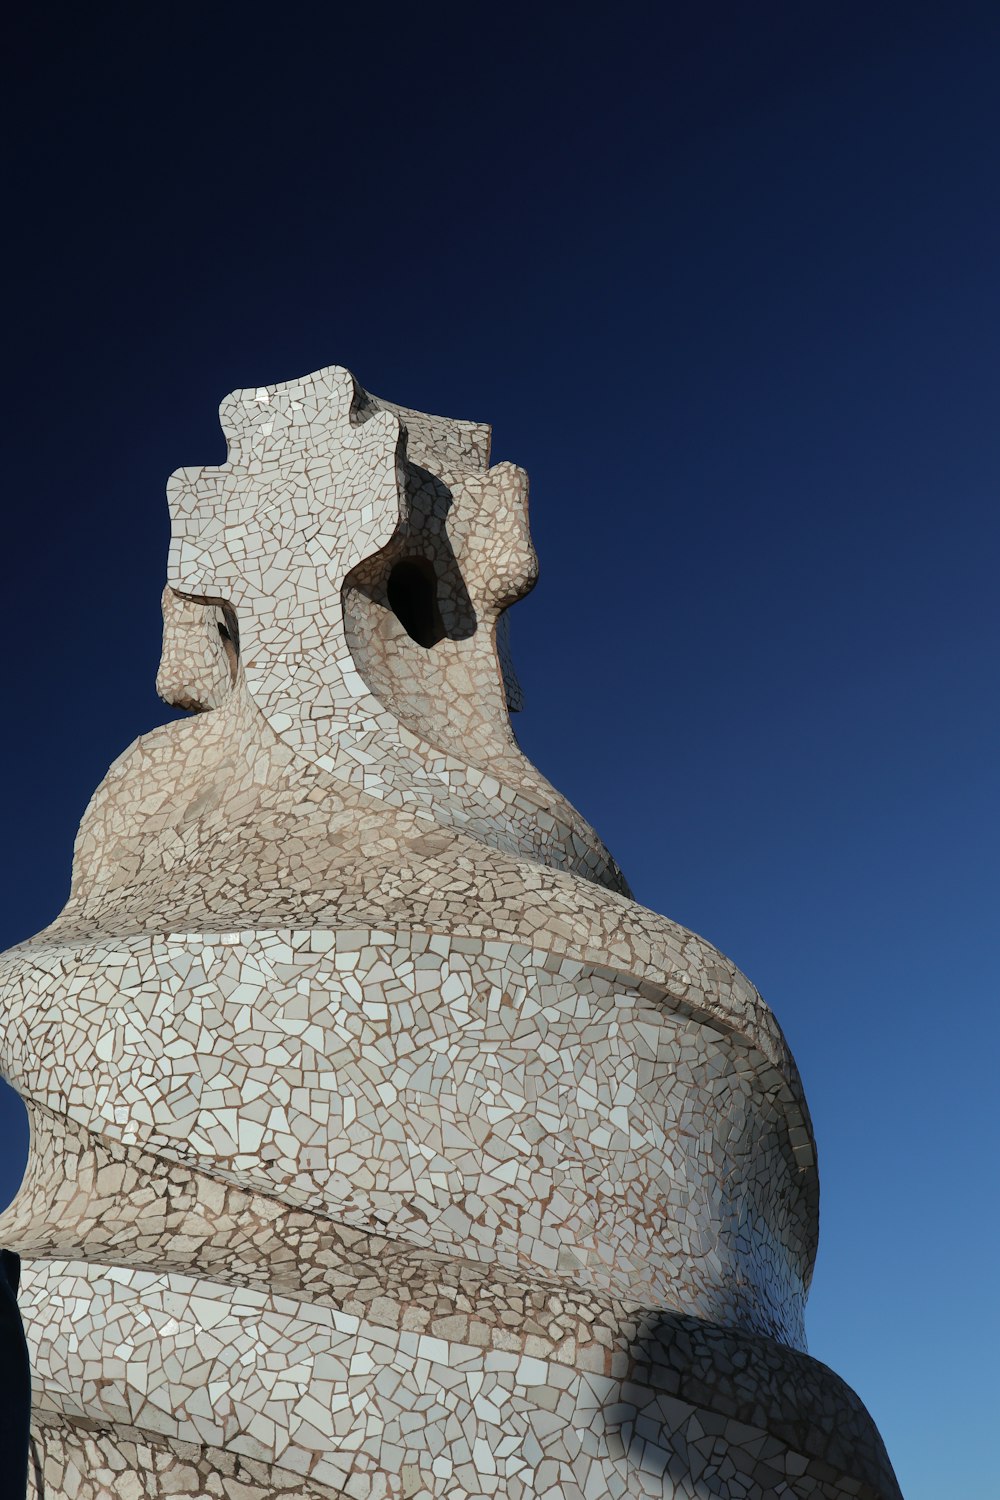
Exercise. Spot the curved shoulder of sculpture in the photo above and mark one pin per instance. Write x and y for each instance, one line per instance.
(213, 820)
(247, 883)
(210, 836)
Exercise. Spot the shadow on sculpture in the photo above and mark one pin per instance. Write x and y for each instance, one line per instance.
(721, 1403)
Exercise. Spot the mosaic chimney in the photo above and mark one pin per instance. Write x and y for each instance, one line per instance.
(382, 1146)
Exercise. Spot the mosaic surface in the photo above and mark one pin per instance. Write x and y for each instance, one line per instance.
(381, 1144)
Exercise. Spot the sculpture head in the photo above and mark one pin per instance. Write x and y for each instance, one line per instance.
(349, 566)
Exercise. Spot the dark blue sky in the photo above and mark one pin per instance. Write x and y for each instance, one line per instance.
(727, 281)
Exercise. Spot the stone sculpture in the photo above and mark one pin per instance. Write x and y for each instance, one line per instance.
(381, 1144)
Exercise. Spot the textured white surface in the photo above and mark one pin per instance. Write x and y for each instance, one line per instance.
(379, 1138)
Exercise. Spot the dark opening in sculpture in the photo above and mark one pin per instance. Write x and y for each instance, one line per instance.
(412, 593)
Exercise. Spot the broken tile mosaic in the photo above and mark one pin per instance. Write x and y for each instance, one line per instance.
(382, 1145)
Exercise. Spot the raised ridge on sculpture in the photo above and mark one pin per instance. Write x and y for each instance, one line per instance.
(381, 1144)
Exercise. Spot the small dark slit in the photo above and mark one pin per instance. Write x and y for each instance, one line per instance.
(411, 590)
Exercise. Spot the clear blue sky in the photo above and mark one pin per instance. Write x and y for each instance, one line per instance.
(727, 282)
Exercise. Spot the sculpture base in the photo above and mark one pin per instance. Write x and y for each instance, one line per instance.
(170, 1386)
